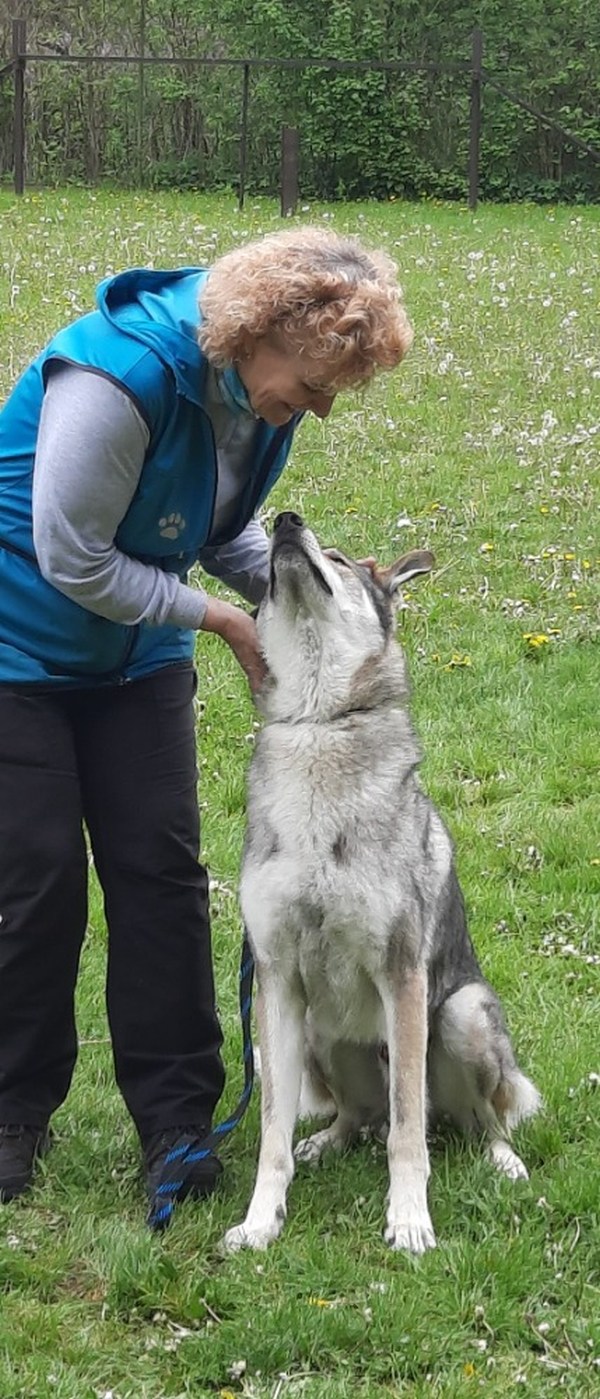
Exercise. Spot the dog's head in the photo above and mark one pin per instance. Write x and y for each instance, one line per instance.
(326, 627)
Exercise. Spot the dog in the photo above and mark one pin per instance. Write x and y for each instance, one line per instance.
(371, 1004)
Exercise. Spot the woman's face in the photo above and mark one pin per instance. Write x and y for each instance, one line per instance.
(281, 380)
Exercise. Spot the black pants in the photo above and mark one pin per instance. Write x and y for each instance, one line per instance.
(121, 759)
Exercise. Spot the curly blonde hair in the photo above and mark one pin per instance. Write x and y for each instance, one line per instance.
(320, 291)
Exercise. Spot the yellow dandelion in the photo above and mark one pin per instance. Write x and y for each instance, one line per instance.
(568, 557)
(486, 548)
(544, 509)
(457, 660)
(571, 594)
(319, 1302)
(469, 1370)
(586, 563)
(535, 639)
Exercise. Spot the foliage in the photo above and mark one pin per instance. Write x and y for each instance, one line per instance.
(363, 134)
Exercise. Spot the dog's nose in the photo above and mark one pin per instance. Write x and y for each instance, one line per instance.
(288, 518)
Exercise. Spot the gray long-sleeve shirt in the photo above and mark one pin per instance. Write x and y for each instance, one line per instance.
(91, 447)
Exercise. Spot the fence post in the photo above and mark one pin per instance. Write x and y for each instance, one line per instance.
(290, 149)
(475, 116)
(244, 135)
(141, 92)
(19, 47)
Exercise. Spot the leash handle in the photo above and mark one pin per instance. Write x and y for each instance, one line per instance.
(179, 1162)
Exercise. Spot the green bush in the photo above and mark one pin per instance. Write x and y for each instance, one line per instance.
(369, 134)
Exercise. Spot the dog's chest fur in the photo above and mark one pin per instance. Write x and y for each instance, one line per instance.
(331, 825)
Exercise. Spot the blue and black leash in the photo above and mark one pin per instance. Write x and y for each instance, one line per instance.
(179, 1162)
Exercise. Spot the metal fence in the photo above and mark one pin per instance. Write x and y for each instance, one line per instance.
(472, 72)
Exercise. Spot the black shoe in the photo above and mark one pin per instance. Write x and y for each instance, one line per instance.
(197, 1180)
(20, 1148)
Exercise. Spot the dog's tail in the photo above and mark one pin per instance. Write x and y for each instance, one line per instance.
(514, 1099)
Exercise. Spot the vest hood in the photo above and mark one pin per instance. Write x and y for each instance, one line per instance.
(161, 310)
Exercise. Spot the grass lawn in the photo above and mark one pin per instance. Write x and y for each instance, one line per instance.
(485, 448)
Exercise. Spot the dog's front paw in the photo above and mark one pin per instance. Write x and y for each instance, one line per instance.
(410, 1230)
(253, 1235)
(241, 1237)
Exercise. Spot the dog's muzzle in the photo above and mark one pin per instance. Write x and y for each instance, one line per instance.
(289, 532)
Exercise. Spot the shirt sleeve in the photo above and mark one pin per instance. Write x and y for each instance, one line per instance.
(243, 564)
(91, 447)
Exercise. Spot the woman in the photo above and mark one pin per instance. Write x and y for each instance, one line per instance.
(144, 438)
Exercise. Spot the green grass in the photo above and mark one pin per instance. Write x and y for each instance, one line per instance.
(485, 448)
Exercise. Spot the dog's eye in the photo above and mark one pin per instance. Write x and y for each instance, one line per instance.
(337, 558)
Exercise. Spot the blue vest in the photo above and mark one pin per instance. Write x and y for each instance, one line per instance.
(143, 337)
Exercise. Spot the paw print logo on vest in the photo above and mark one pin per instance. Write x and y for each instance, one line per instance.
(171, 526)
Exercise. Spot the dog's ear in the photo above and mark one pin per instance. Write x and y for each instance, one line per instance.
(409, 566)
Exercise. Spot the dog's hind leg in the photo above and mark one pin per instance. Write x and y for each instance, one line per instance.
(280, 1015)
(336, 1137)
(315, 1097)
(315, 1100)
(351, 1074)
(473, 1074)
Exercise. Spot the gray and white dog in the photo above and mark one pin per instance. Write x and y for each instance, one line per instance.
(371, 1005)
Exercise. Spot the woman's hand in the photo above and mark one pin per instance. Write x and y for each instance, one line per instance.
(238, 629)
